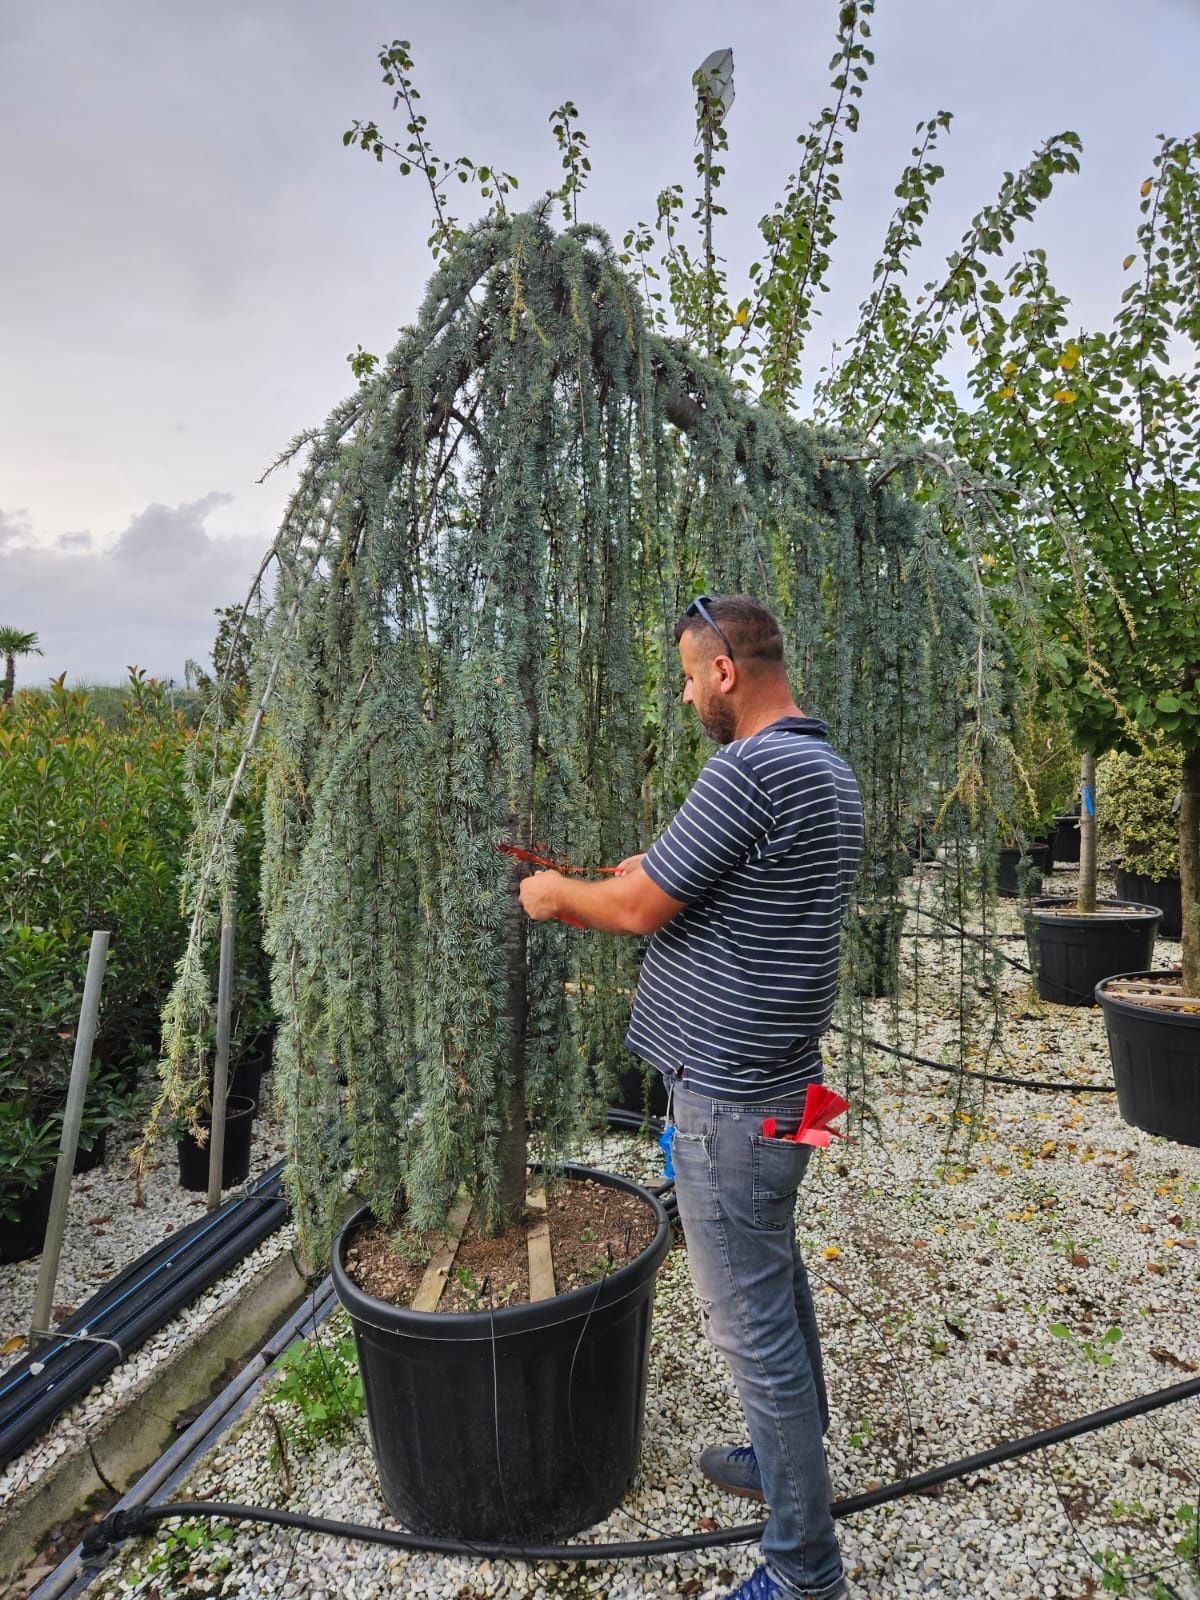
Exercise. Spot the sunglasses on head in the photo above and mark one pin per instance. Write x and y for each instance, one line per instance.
(699, 608)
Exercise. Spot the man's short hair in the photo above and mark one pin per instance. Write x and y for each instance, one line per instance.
(754, 636)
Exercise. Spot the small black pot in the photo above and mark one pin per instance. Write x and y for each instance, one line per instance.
(1166, 893)
(1019, 872)
(516, 1425)
(1074, 952)
(24, 1238)
(235, 1158)
(1047, 842)
(645, 1095)
(1156, 1064)
(89, 1160)
(1066, 839)
(878, 976)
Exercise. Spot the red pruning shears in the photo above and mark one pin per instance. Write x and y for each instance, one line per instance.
(519, 853)
(821, 1105)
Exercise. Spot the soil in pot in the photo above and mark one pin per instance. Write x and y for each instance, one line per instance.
(1073, 951)
(505, 1421)
(1166, 893)
(235, 1158)
(1154, 1042)
(23, 1238)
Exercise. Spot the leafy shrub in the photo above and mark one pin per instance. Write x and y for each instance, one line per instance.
(1138, 800)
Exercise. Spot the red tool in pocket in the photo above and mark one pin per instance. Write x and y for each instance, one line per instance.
(821, 1105)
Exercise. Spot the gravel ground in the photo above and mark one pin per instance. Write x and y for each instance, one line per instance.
(106, 1229)
(985, 1264)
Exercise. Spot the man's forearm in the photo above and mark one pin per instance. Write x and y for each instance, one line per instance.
(629, 903)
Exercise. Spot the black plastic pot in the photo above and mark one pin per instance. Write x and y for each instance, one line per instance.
(515, 1425)
(1165, 893)
(878, 972)
(1071, 952)
(1047, 842)
(1156, 1063)
(1066, 839)
(88, 1160)
(1019, 871)
(235, 1158)
(642, 1094)
(24, 1238)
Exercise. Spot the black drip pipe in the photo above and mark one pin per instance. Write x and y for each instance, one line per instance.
(127, 1524)
(134, 1305)
(982, 1077)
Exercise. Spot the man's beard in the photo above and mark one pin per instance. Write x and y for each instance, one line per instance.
(718, 722)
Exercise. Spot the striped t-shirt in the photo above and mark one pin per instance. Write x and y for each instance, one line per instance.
(738, 987)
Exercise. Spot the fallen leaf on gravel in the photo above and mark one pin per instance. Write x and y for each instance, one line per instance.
(706, 1524)
(1169, 1360)
(1078, 1259)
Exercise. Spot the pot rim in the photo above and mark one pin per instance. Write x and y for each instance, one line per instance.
(1135, 910)
(1127, 1003)
(506, 1321)
(236, 1106)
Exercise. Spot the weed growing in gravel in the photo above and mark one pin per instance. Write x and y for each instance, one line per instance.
(322, 1390)
(1096, 1355)
(182, 1550)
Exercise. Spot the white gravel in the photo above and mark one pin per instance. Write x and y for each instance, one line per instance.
(106, 1229)
(944, 1246)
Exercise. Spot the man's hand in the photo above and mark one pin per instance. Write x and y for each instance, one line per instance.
(630, 864)
(538, 893)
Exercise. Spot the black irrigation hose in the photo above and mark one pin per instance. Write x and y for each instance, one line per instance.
(134, 1305)
(984, 1077)
(127, 1524)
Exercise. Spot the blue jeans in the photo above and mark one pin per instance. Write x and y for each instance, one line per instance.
(737, 1198)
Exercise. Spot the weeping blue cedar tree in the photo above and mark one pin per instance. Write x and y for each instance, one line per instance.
(470, 644)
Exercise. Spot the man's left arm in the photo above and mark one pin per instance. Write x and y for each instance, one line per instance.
(629, 903)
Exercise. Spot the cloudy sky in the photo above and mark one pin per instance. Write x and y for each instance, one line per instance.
(190, 253)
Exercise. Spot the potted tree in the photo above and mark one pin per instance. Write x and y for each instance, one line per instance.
(1140, 827)
(1098, 435)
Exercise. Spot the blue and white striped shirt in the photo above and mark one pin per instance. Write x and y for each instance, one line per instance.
(738, 987)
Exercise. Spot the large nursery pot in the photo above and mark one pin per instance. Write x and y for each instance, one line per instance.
(1019, 871)
(1156, 1062)
(1066, 839)
(1166, 893)
(1072, 951)
(25, 1237)
(235, 1158)
(516, 1424)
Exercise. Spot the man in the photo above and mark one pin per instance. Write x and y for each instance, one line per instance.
(744, 895)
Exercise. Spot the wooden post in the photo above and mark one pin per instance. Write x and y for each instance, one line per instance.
(43, 1304)
(220, 1089)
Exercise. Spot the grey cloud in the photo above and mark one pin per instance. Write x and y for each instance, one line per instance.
(14, 527)
(146, 599)
(162, 538)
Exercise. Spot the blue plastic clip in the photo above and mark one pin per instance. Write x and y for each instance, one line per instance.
(664, 1144)
(1089, 804)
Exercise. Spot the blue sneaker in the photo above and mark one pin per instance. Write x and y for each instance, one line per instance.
(733, 1468)
(760, 1585)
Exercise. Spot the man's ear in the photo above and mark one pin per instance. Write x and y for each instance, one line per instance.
(727, 674)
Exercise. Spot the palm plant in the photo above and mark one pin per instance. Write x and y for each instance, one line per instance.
(14, 643)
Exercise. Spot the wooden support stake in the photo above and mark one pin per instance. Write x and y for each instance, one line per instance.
(438, 1270)
(541, 1262)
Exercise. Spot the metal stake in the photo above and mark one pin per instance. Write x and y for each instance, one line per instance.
(72, 1118)
(220, 1089)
